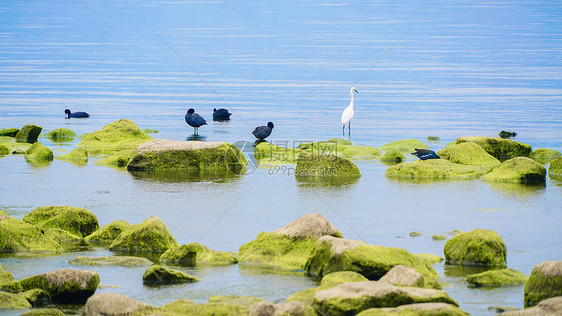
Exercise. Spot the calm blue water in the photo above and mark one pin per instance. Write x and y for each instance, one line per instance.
(462, 68)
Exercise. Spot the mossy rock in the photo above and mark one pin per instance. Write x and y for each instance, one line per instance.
(75, 220)
(150, 131)
(502, 149)
(468, 154)
(37, 297)
(435, 169)
(393, 155)
(420, 309)
(186, 306)
(119, 135)
(544, 282)
(429, 258)
(15, 148)
(555, 169)
(119, 159)
(165, 155)
(9, 132)
(548, 307)
(340, 147)
(38, 153)
(194, 254)
(64, 286)
(17, 235)
(61, 135)
(123, 261)
(479, 247)
(29, 133)
(336, 254)
(13, 301)
(159, 275)
(544, 155)
(438, 237)
(518, 170)
(43, 312)
(235, 300)
(148, 236)
(406, 145)
(270, 154)
(496, 278)
(79, 154)
(325, 165)
(287, 308)
(109, 232)
(61, 235)
(330, 280)
(4, 150)
(111, 304)
(5, 276)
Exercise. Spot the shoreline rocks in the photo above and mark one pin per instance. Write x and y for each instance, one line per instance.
(159, 275)
(29, 133)
(194, 254)
(544, 282)
(114, 137)
(435, 169)
(479, 247)
(501, 148)
(519, 170)
(38, 153)
(496, 278)
(75, 220)
(325, 165)
(17, 236)
(148, 236)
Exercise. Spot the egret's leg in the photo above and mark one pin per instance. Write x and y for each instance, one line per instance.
(343, 130)
(349, 129)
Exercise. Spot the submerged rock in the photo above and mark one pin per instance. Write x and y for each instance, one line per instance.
(548, 307)
(161, 155)
(124, 261)
(159, 275)
(435, 169)
(61, 135)
(38, 153)
(341, 147)
(148, 236)
(544, 282)
(520, 170)
(479, 247)
(77, 155)
(420, 309)
(288, 247)
(468, 154)
(325, 165)
(544, 156)
(111, 304)
(406, 145)
(109, 232)
(496, 278)
(75, 220)
(194, 254)
(506, 134)
(9, 132)
(502, 149)
(555, 169)
(17, 235)
(29, 133)
(117, 136)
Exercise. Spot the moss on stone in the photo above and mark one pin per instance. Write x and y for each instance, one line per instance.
(109, 232)
(496, 278)
(235, 300)
(479, 247)
(4, 150)
(119, 135)
(420, 309)
(393, 156)
(119, 159)
(438, 237)
(17, 235)
(194, 254)
(406, 145)
(325, 165)
(468, 153)
(61, 235)
(340, 147)
(43, 312)
(159, 275)
(335, 278)
(38, 153)
(29, 133)
(148, 236)
(61, 135)
(429, 258)
(9, 132)
(555, 169)
(544, 282)
(37, 297)
(502, 149)
(435, 169)
(270, 154)
(13, 301)
(79, 155)
(187, 307)
(124, 261)
(151, 131)
(5, 276)
(544, 155)
(75, 220)
(519, 170)
(16, 148)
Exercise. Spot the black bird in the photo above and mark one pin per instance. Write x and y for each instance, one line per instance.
(261, 132)
(221, 115)
(75, 114)
(425, 154)
(194, 120)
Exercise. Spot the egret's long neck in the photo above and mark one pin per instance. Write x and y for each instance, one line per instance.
(351, 94)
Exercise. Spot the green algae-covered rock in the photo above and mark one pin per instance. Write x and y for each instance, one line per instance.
(76, 220)
(496, 278)
(38, 153)
(109, 232)
(14, 147)
(393, 155)
(406, 145)
(341, 147)
(270, 154)
(9, 132)
(289, 246)
(13, 301)
(438, 237)
(43, 312)
(288, 308)
(555, 169)
(420, 309)
(37, 297)
(235, 300)
(520, 170)
(405, 276)
(151, 131)
(124, 261)
(29, 133)
(194, 254)
(148, 236)
(354, 297)
(544, 155)
(61, 135)
(500, 148)
(77, 155)
(544, 282)
(185, 306)
(61, 235)
(17, 235)
(159, 275)
(4, 150)
(5, 276)
(429, 258)
(162, 155)
(479, 247)
(325, 165)
(64, 286)
(111, 304)
(119, 135)
(548, 307)
(119, 159)
(435, 169)
(337, 254)
(468, 154)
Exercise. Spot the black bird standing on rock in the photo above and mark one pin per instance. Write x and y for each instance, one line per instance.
(425, 154)
(75, 114)
(262, 132)
(194, 120)
(221, 115)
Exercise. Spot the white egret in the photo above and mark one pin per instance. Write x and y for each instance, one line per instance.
(348, 113)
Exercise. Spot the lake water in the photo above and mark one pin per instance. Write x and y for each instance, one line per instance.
(422, 68)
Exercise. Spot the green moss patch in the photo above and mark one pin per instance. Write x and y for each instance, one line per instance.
(4, 150)
(497, 278)
(194, 254)
(124, 261)
(9, 132)
(29, 133)
(61, 235)
(406, 145)
(43, 312)
(119, 135)
(158, 275)
(502, 149)
(13, 301)
(544, 282)
(61, 135)
(109, 232)
(420, 309)
(393, 156)
(17, 235)
(75, 220)
(119, 159)
(555, 169)
(519, 170)
(325, 165)
(468, 153)
(544, 155)
(38, 153)
(435, 169)
(148, 236)
(270, 154)
(79, 155)
(340, 147)
(479, 247)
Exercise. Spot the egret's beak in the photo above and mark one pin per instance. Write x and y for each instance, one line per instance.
(355, 91)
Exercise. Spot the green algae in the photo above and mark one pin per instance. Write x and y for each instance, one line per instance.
(544, 155)
(9, 132)
(270, 154)
(4, 150)
(13, 301)
(79, 155)
(148, 236)
(61, 235)
(38, 153)
(325, 165)
(435, 169)
(123, 261)
(186, 306)
(61, 135)
(392, 156)
(235, 300)
(75, 220)
(109, 232)
(194, 254)
(429, 258)
(340, 147)
(518, 170)
(555, 169)
(159, 275)
(497, 278)
(502, 149)
(544, 282)
(479, 247)
(14, 147)
(406, 145)
(438, 237)
(117, 136)
(119, 159)
(17, 235)
(29, 133)
(151, 131)
(468, 153)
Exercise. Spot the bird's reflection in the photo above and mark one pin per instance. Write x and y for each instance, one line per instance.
(197, 137)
